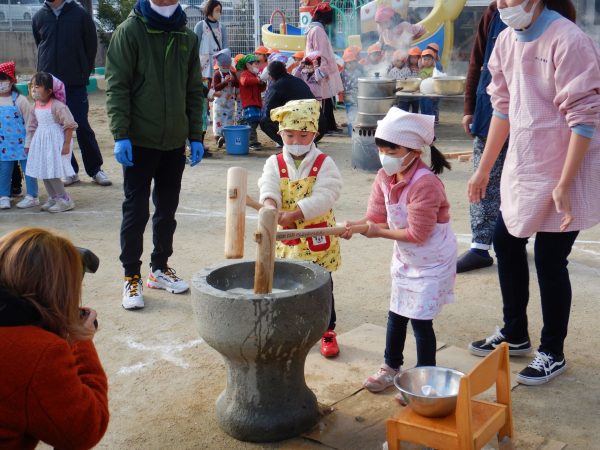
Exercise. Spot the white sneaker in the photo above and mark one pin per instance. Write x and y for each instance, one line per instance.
(49, 203)
(381, 380)
(168, 281)
(68, 181)
(101, 179)
(28, 202)
(62, 205)
(132, 293)
(4, 202)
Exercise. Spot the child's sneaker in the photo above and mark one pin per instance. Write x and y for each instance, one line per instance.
(380, 381)
(329, 345)
(489, 344)
(62, 205)
(49, 203)
(542, 369)
(167, 280)
(132, 293)
(28, 202)
(4, 202)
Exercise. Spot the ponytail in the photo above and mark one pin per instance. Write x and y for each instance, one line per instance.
(438, 161)
(564, 7)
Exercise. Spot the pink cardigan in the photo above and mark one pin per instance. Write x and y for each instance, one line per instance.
(426, 200)
(317, 39)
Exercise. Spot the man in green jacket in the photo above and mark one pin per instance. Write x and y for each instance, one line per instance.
(154, 98)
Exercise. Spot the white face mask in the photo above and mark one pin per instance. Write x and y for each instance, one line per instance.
(516, 17)
(165, 11)
(4, 87)
(390, 164)
(36, 95)
(254, 70)
(297, 149)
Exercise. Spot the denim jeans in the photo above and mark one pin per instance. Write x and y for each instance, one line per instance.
(550, 254)
(351, 110)
(426, 105)
(395, 338)
(6, 173)
(165, 168)
(407, 106)
(77, 101)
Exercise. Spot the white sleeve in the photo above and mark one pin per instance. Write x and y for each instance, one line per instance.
(268, 183)
(326, 191)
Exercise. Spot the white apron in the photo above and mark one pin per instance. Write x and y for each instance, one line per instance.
(423, 275)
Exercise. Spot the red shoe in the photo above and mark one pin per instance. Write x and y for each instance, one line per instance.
(329, 345)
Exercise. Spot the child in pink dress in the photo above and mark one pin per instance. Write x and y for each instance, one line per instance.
(408, 205)
(48, 144)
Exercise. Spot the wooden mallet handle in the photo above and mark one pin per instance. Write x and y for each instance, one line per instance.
(235, 212)
(265, 250)
(284, 235)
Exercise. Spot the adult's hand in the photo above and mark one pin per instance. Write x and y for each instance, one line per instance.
(467, 120)
(89, 316)
(562, 203)
(477, 186)
(123, 152)
(197, 152)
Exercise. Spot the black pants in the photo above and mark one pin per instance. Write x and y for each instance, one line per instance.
(550, 253)
(77, 101)
(395, 338)
(166, 169)
(407, 106)
(17, 178)
(328, 108)
(332, 317)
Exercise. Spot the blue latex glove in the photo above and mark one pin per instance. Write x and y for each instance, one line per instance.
(197, 152)
(123, 152)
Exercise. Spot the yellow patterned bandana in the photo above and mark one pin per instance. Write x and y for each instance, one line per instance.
(301, 115)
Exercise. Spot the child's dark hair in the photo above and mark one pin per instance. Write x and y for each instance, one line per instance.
(5, 77)
(438, 160)
(43, 79)
(324, 17)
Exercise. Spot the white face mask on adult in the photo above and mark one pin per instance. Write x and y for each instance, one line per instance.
(516, 17)
(392, 165)
(165, 11)
(297, 149)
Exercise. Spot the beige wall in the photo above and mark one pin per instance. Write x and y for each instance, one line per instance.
(19, 46)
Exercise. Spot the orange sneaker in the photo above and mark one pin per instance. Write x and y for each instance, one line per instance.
(329, 345)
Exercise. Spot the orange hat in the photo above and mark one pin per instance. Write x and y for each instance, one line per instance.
(374, 48)
(350, 55)
(273, 50)
(415, 51)
(298, 55)
(261, 51)
(433, 46)
(428, 52)
(237, 58)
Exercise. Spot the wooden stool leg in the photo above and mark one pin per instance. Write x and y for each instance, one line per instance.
(392, 436)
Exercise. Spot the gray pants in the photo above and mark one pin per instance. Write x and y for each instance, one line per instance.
(484, 214)
(55, 188)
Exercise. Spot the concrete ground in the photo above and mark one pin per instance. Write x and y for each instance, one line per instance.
(164, 379)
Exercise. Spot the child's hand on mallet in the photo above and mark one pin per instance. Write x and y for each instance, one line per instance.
(373, 231)
(348, 233)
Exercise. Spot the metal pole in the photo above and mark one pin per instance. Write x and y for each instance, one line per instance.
(256, 23)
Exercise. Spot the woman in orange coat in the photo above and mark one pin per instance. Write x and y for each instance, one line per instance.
(52, 385)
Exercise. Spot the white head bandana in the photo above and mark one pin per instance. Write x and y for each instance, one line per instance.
(413, 131)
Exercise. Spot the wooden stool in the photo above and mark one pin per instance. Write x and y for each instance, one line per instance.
(474, 422)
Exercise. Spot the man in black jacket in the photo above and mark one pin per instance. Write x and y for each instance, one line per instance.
(284, 88)
(65, 35)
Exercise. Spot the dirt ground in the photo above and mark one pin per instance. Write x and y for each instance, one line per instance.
(164, 379)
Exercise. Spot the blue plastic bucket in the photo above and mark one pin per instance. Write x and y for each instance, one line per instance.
(237, 139)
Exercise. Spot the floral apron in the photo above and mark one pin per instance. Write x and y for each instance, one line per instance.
(423, 275)
(223, 108)
(12, 133)
(322, 250)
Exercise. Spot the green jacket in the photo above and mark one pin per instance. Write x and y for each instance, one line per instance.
(154, 85)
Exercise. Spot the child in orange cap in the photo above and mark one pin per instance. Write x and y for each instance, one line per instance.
(399, 69)
(262, 53)
(427, 65)
(294, 61)
(352, 71)
(374, 54)
(414, 55)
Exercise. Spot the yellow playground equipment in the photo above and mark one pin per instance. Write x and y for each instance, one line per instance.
(439, 26)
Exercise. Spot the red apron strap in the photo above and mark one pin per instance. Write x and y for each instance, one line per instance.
(283, 172)
(314, 171)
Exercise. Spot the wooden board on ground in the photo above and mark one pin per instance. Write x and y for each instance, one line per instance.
(361, 354)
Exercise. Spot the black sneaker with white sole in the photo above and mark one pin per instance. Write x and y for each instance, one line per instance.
(489, 344)
(542, 369)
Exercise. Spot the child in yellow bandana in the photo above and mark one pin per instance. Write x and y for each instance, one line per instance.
(304, 183)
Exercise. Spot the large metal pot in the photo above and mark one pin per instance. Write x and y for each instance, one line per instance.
(449, 85)
(408, 85)
(368, 120)
(376, 87)
(375, 105)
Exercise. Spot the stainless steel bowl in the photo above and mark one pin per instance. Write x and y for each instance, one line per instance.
(408, 85)
(449, 85)
(376, 87)
(430, 391)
